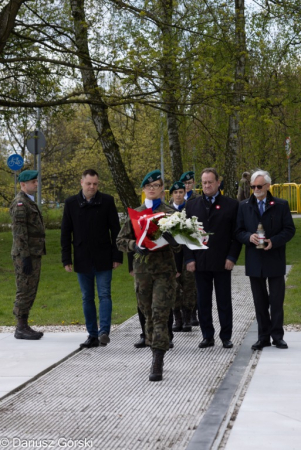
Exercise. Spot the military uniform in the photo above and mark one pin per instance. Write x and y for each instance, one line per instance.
(28, 241)
(187, 282)
(155, 283)
(186, 297)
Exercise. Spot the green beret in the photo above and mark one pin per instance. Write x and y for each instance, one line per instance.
(187, 176)
(151, 177)
(28, 175)
(177, 185)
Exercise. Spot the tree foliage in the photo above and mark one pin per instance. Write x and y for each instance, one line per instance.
(129, 61)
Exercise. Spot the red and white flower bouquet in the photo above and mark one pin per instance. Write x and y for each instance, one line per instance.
(149, 226)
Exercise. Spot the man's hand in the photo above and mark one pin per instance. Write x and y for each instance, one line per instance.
(269, 246)
(141, 251)
(178, 274)
(131, 273)
(116, 264)
(229, 264)
(68, 268)
(190, 267)
(27, 265)
(254, 239)
(170, 239)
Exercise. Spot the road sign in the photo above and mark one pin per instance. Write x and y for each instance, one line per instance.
(15, 162)
(36, 142)
(288, 147)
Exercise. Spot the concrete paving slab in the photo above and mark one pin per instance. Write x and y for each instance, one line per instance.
(22, 360)
(270, 414)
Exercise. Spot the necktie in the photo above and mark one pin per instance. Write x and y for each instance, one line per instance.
(261, 207)
(210, 199)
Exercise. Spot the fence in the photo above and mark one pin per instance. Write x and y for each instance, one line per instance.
(288, 191)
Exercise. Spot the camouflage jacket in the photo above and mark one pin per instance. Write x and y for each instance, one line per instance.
(158, 261)
(27, 226)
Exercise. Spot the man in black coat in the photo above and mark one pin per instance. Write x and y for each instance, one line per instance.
(218, 214)
(90, 222)
(266, 263)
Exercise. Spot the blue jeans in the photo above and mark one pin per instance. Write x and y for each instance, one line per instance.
(87, 285)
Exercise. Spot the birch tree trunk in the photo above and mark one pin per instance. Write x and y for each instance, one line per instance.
(233, 142)
(170, 86)
(99, 111)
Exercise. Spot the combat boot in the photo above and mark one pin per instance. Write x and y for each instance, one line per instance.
(186, 320)
(156, 372)
(23, 331)
(194, 321)
(178, 320)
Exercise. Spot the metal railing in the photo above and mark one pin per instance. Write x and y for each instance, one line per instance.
(288, 191)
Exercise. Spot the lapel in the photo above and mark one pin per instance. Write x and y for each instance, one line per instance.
(270, 203)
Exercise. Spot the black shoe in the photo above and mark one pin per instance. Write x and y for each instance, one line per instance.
(156, 373)
(27, 333)
(171, 344)
(206, 343)
(260, 344)
(227, 344)
(141, 343)
(90, 342)
(194, 322)
(280, 343)
(176, 328)
(104, 339)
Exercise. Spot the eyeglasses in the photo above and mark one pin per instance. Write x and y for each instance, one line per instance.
(152, 186)
(258, 186)
(188, 182)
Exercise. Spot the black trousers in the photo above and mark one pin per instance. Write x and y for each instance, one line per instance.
(142, 323)
(222, 285)
(269, 306)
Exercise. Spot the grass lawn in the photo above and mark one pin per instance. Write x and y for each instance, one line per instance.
(59, 297)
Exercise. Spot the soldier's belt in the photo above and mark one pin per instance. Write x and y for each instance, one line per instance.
(33, 235)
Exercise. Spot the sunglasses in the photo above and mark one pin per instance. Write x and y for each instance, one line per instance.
(258, 186)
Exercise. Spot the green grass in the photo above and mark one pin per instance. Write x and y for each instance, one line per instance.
(292, 303)
(59, 297)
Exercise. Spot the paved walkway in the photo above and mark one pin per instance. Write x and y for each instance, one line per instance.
(22, 361)
(101, 397)
(270, 415)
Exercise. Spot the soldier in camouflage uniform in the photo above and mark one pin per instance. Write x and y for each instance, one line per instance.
(188, 179)
(27, 250)
(186, 289)
(155, 279)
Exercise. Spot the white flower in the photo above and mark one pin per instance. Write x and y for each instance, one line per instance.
(189, 224)
(162, 221)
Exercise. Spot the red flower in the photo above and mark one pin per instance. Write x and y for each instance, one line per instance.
(153, 228)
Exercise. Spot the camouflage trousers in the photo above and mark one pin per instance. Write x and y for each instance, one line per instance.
(186, 296)
(27, 285)
(156, 296)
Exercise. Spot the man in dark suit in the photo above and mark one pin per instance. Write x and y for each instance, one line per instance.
(218, 214)
(268, 263)
(91, 223)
